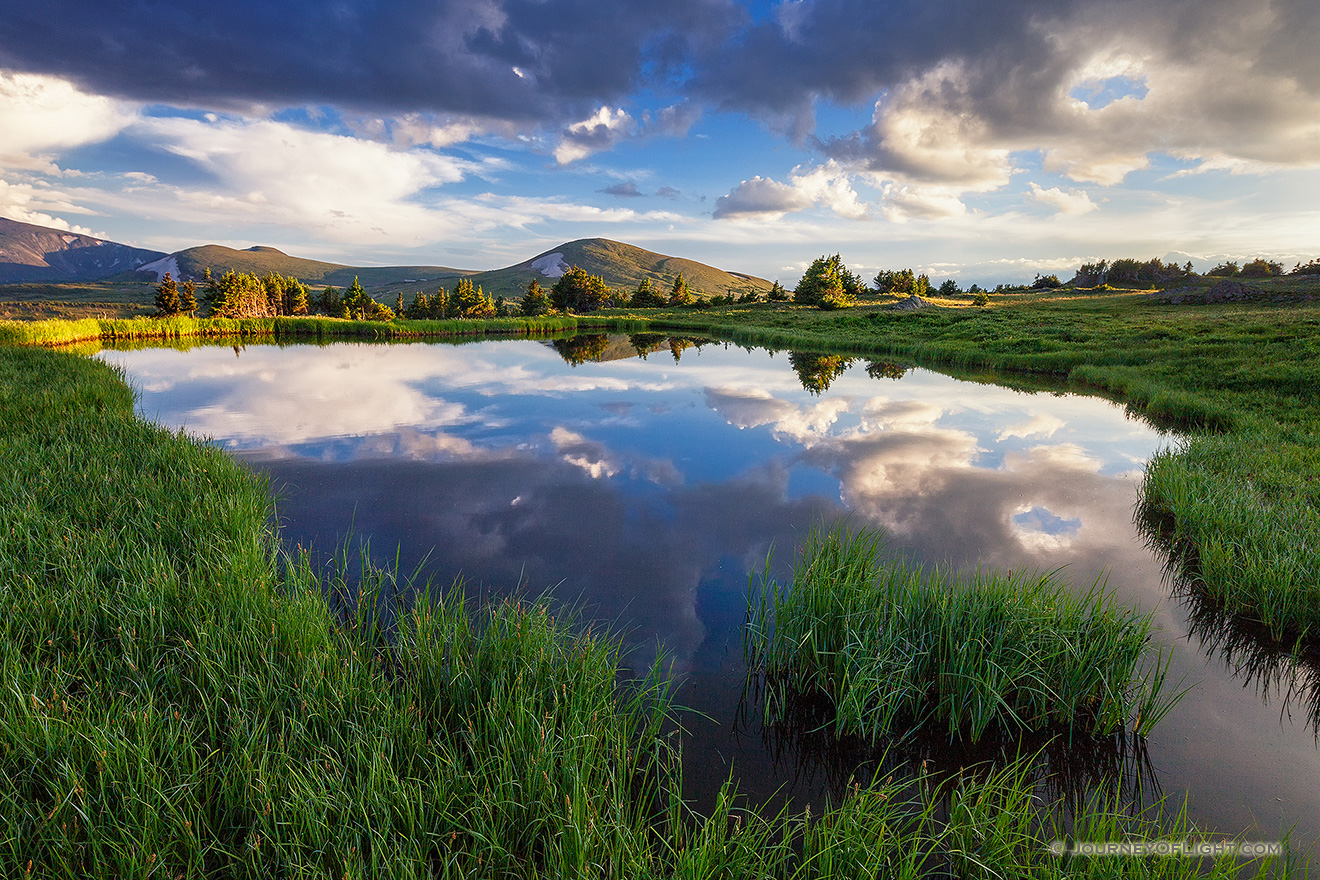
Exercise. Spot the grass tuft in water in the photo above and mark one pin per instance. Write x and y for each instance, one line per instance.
(893, 647)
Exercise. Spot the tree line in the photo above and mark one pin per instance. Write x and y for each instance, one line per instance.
(246, 295)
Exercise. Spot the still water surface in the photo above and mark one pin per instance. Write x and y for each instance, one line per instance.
(646, 482)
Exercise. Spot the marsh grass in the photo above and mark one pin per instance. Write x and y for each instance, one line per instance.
(893, 647)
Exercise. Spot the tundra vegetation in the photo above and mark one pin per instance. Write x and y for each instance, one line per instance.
(181, 700)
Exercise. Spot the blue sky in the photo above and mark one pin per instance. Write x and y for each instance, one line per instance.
(966, 138)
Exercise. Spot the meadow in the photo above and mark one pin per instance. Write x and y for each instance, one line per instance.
(184, 698)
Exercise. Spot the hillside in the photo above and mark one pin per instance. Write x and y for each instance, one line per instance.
(38, 253)
(621, 265)
(193, 263)
(35, 254)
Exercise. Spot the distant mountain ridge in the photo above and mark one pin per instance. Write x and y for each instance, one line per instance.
(39, 253)
(36, 253)
(193, 263)
(622, 266)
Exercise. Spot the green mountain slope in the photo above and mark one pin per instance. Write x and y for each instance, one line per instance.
(621, 265)
(193, 263)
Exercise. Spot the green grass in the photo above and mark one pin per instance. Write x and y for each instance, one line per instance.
(179, 700)
(894, 648)
(319, 329)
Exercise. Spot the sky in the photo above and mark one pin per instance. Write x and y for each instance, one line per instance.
(979, 140)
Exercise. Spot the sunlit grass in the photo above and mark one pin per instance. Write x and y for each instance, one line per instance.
(894, 647)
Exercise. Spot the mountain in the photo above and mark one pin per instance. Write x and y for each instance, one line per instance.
(621, 265)
(193, 263)
(38, 253)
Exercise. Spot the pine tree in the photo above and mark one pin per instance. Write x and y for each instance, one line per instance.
(167, 298)
(679, 295)
(188, 298)
(295, 297)
(470, 302)
(535, 302)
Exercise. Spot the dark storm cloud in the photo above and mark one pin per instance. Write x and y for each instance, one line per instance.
(444, 57)
(958, 79)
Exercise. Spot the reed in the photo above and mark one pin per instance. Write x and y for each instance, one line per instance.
(893, 647)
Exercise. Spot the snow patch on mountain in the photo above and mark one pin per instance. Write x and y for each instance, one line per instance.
(551, 265)
(162, 266)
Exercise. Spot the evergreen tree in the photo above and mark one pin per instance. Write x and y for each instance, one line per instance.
(535, 302)
(470, 302)
(647, 297)
(679, 294)
(167, 298)
(823, 284)
(295, 297)
(398, 303)
(236, 295)
(188, 298)
(578, 291)
(273, 284)
(356, 301)
(441, 307)
(331, 304)
(777, 293)
(420, 307)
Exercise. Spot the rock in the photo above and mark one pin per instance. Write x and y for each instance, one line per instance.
(912, 302)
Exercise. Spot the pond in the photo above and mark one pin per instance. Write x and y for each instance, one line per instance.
(645, 478)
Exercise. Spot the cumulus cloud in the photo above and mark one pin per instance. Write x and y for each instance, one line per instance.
(42, 114)
(1095, 89)
(601, 131)
(347, 188)
(1070, 202)
(606, 128)
(760, 197)
(763, 198)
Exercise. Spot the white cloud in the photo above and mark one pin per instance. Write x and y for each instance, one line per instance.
(599, 132)
(762, 198)
(27, 203)
(1071, 202)
(43, 114)
(1037, 426)
(343, 188)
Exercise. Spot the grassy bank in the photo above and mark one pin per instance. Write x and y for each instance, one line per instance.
(1237, 498)
(308, 329)
(178, 701)
(893, 648)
